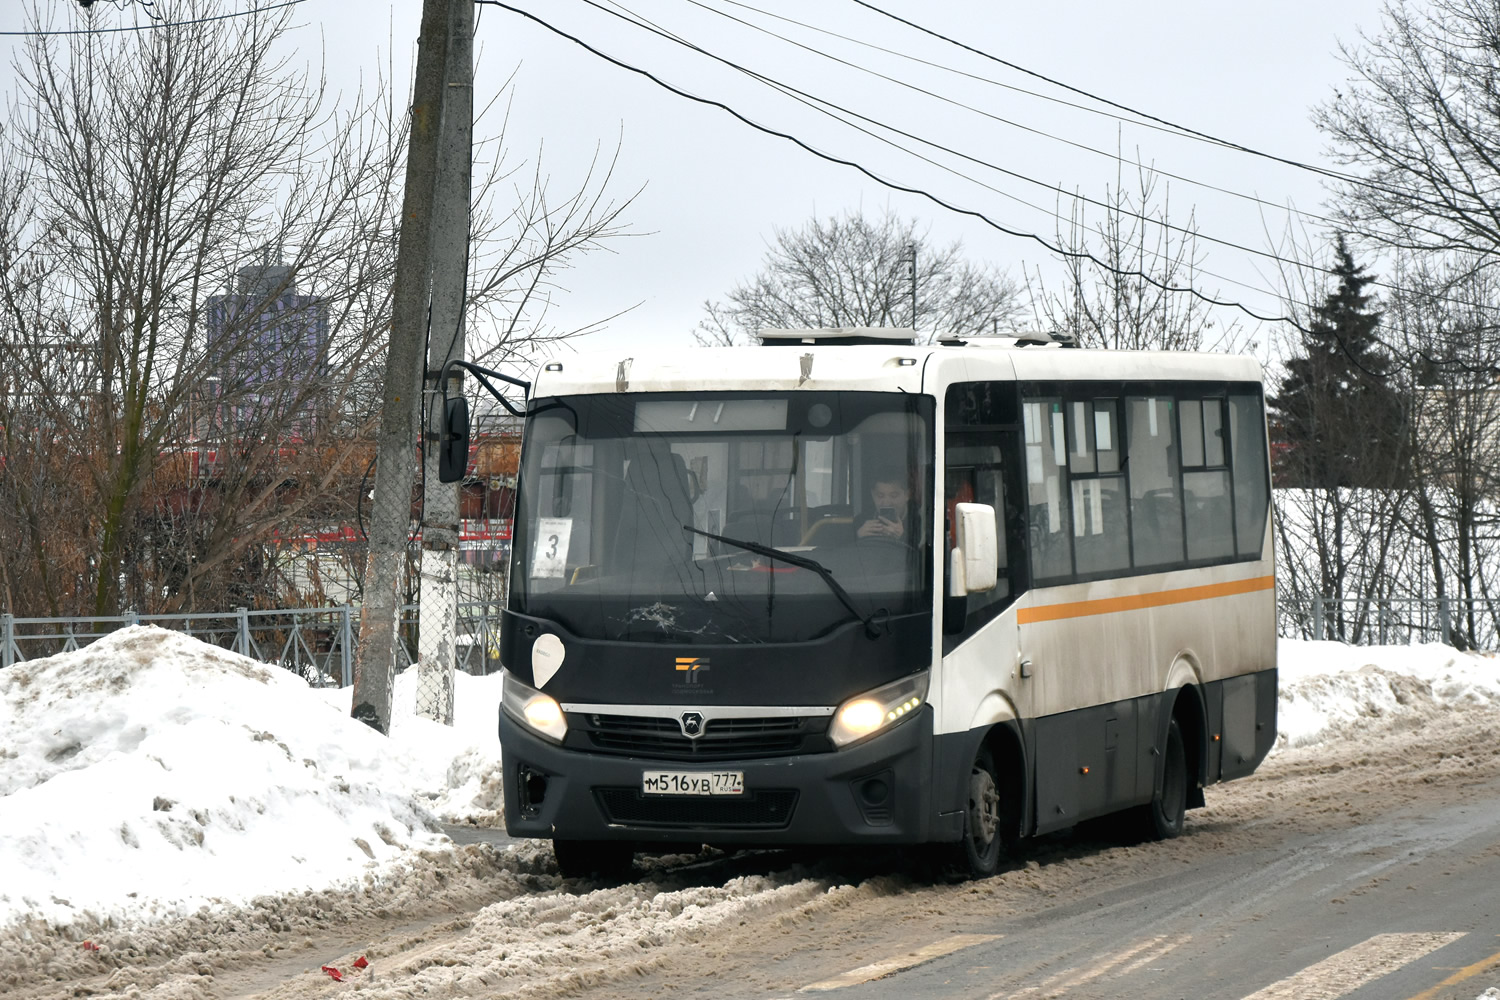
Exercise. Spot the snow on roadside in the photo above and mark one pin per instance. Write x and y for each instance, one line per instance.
(1329, 689)
(455, 769)
(149, 774)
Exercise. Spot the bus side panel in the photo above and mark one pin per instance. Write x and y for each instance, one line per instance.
(1249, 722)
(1089, 762)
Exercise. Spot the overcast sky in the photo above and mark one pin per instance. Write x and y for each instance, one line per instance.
(714, 190)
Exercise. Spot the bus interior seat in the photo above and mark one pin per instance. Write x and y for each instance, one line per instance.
(655, 504)
(835, 530)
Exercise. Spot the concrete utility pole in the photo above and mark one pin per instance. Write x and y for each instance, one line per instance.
(374, 668)
(440, 508)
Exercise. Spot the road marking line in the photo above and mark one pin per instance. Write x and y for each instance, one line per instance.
(1467, 972)
(1156, 955)
(1345, 972)
(1059, 984)
(886, 967)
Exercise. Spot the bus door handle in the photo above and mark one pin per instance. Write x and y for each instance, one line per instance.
(1026, 668)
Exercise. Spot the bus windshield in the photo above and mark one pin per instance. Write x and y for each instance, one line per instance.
(660, 517)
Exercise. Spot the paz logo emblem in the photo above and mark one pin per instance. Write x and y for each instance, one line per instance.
(691, 667)
(692, 724)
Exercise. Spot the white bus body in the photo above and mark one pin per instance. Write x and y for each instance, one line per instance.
(704, 644)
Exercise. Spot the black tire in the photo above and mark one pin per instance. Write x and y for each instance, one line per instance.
(606, 859)
(1163, 819)
(985, 835)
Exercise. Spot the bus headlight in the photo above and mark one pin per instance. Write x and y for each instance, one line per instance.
(875, 710)
(536, 711)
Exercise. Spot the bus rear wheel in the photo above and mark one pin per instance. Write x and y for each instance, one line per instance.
(1164, 817)
(607, 859)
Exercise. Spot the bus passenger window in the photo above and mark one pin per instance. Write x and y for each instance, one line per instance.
(1155, 500)
(1207, 506)
(1047, 503)
(1210, 515)
(1101, 540)
(1247, 443)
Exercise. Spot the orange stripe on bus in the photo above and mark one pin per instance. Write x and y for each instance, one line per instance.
(1135, 602)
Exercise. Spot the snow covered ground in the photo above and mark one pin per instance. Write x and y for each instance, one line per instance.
(151, 776)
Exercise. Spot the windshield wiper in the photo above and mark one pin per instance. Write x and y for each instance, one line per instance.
(804, 562)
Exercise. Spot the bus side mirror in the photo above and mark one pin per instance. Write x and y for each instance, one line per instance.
(975, 567)
(453, 448)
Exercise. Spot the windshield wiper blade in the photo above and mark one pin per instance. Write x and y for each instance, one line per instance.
(804, 562)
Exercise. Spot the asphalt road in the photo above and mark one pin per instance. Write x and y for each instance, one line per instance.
(1406, 906)
(1358, 872)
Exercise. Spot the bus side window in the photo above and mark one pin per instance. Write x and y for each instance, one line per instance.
(1047, 503)
(1101, 540)
(1152, 469)
(1206, 502)
(1252, 499)
(979, 454)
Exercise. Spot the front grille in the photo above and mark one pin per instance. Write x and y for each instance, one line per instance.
(722, 739)
(763, 809)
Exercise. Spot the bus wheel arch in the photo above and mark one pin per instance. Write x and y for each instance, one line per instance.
(1185, 701)
(1190, 712)
(1179, 751)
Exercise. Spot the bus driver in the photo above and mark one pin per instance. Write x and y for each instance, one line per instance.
(891, 498)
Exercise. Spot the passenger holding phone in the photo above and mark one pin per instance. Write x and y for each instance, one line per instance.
(891, 498)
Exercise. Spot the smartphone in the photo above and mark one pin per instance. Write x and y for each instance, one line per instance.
(886, 513)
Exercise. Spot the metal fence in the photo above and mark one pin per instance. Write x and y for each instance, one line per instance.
(1468, 624)
(319, 644)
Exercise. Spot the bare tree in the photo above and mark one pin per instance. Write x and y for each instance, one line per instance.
(1419, 121)
(167, 443)
(852, 271)
(1117, 271)
(1444, 314)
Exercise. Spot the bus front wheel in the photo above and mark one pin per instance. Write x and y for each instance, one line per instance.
(607, 859)
(1165, 815)
(984, 839)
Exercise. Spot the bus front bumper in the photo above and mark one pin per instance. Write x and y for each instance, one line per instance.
(875, 792)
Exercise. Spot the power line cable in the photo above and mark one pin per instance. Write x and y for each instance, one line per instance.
(1197, 234)
(979, 111)
(152, 25)
(829, 157)
(1181, 129)
(1073, 254)
(813, 102)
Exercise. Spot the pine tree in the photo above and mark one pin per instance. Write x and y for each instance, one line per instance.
(1338, 419)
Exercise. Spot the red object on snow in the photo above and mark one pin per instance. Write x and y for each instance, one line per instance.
(360, 963)
(89, 946)
(333, 973)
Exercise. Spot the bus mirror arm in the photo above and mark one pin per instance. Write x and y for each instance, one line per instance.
(453, 442)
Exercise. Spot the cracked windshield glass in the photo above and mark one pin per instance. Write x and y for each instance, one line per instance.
(652, 517)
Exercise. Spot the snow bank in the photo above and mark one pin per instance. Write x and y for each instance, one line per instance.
(1329, 689)
(150, 774)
